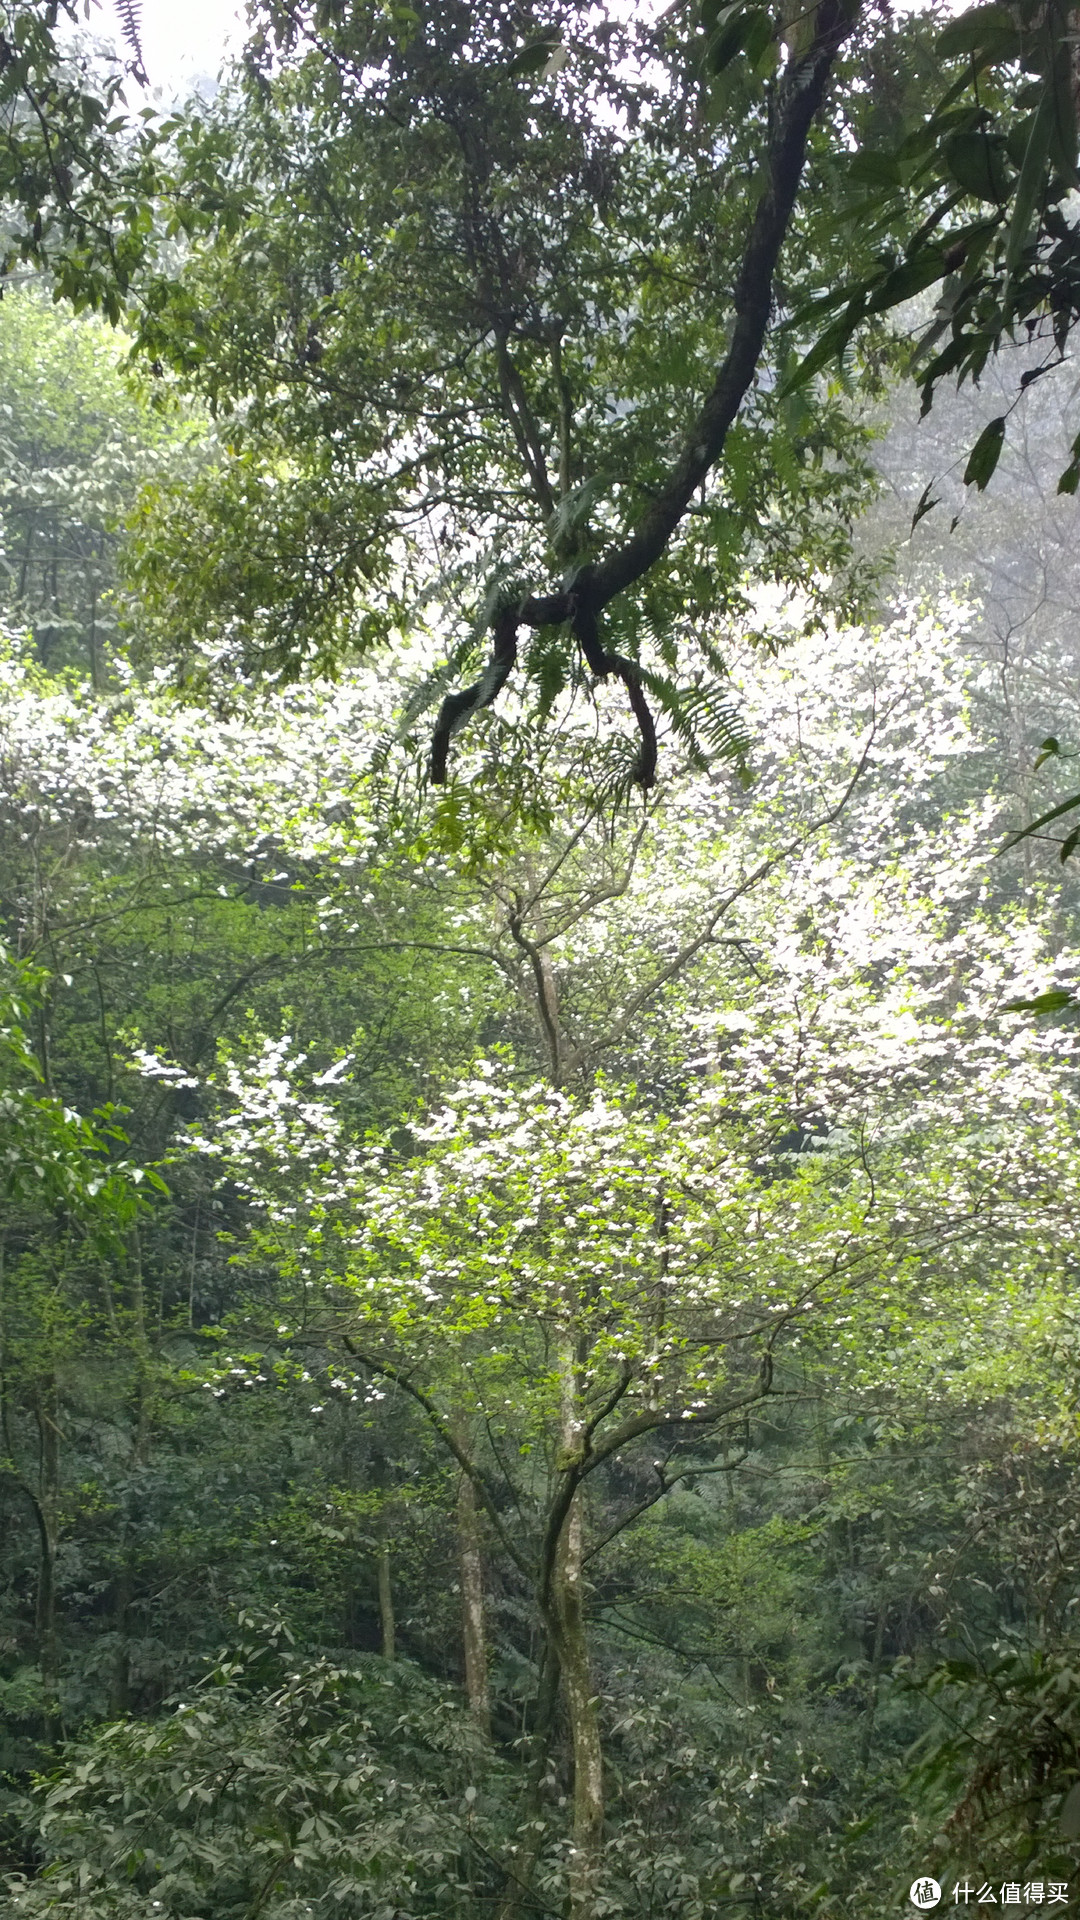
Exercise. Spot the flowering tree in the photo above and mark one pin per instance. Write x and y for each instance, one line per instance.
(588, 1289)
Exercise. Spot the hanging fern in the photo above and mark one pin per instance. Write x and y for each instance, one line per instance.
(706, 719)
(128, 12)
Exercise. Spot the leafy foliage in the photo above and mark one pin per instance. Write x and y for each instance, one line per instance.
(78, 440)
(602, 1265)
(302, 1785)
(976, 192)
(76, 176)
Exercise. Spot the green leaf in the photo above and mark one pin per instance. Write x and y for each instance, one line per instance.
(759, 46)
(985, 33)
(870, 169)
(739, 29)
(985, 454)
(1047, 749)
(816, 309)
(909, 278)
(1063, 111)
(829, 347)
(1031, 180)
(1070, 479)
(1044, 819)
(1053, 1001)
(1069, 1817)
(534, 58)
(977, 163)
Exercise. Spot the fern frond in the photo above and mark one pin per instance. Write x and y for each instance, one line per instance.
(706, 719)
(128, 13)
(435, 686)
(718, 721)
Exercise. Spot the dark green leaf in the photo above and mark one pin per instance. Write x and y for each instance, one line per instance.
(758, 38)
(925, 506)
(976, 162)
(1047, 749)
(815, 310)
(870, 169)
(1063, 110)
(1044, 819)
(908, 279)
(986, 33)
(1069, 1816)
(828, 348)
(1032, 179)
(739, 29)
(532, 59)
(985, 454)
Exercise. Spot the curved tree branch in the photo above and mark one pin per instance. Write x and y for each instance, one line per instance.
(458, 708)
(799, 96)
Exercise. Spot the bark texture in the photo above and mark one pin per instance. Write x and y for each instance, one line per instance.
(473, 1623)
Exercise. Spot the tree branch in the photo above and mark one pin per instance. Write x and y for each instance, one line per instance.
(667, 1481)
(444, 1428)
(458, 708)
(799, 96)
(523, 422)
(545, 996)
(589, 1457)
(566, 415)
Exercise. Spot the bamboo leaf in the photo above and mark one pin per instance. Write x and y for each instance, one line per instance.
(1044, 819)
(1030, 182)
(985, 454)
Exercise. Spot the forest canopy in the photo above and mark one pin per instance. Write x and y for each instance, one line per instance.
(538, 1183)
(515, 311)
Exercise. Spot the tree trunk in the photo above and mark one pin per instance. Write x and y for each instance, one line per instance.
(472, 1606)
(46, 1504)
(142, 1408)
(582, 1711)
(92, 645)
(120, 1675)
(566, 1624)
(386, 1604)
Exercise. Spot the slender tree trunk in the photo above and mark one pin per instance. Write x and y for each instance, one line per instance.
(27, 552)
(142, 1408)
(386, 1604)
(46, 1506)
(45, 1624)
(92, 646)
(381, 1480)
(568, 1628)
(582, 1711)
(194, 1257)
(120, 1677)
(474, 1626)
